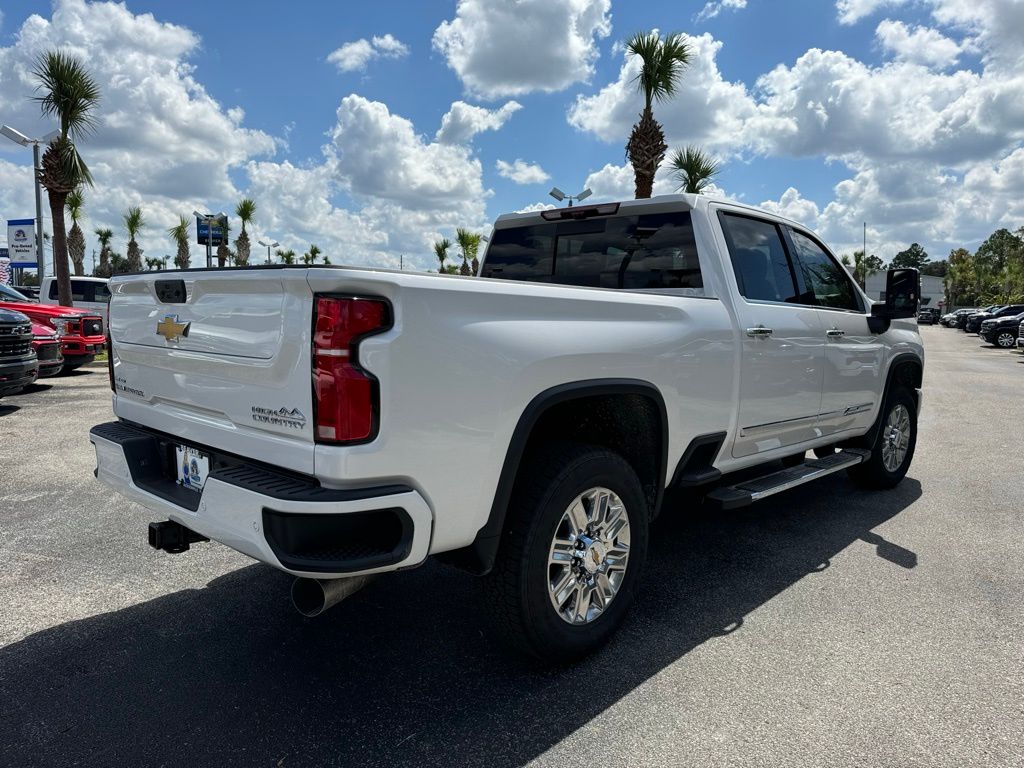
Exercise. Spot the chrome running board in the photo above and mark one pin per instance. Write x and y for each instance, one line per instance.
(749, 491)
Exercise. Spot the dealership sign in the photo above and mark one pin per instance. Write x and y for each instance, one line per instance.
(211, 230)
(21, 242)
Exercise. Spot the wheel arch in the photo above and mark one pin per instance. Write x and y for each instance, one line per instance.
(615, 413)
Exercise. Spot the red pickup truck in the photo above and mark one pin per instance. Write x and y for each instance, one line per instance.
(80, 331)
(46, 343)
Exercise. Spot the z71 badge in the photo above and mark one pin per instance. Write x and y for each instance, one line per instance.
(282, 417)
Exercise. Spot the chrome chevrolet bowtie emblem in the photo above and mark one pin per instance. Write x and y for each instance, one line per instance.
(171, 329)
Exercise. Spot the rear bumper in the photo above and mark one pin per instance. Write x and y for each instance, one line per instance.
(286, 521)
(15, 375)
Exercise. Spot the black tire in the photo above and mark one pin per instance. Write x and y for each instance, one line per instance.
(517, 589)
(1005, 340)
(873, 473)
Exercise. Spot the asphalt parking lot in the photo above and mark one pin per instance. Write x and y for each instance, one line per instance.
(827, 626)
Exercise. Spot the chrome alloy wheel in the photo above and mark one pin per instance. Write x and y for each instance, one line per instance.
(1005, 340)
(589, 555)
(896, 438)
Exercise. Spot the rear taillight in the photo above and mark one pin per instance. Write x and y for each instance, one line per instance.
(346, 399)
(110, 364)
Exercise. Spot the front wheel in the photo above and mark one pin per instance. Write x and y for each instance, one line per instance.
(1006, 340)
(893, 447)
(572, 550)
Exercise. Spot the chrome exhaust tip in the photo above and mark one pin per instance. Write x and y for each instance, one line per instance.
(311, 597)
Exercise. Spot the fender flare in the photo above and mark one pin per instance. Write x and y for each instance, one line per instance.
(479, 556)
(897, 360)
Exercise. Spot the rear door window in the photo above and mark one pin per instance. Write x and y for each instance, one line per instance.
(651, 251)
(763, 271)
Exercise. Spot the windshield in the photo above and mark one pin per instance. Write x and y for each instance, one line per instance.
(9, 294)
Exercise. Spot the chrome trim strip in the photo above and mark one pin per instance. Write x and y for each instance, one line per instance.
(745, 431)
(858, 409)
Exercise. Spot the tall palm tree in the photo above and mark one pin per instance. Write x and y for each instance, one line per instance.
(469, 243)
(287, 257)
(76, 239)
(104, 269)
(245, 210)
(441, 251)
(693, 169)
(662, 63)
(69, 94)
(133, 222)
(181, 236)
(223, 252)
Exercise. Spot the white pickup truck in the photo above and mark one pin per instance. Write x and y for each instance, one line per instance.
(524, 424)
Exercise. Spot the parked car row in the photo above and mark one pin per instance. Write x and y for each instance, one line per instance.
(998, 325)
(41, 340)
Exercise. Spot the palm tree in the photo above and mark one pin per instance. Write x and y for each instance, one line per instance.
(693, 169)
(70, 95)
(152, 263)
(223, 252)
(245, 210)
(181, 236)
(133, 222)
(441, 251)
(104, 235)
(76, 239)
(662, 64)
(287, 257)
(310, 256)
(469, 243)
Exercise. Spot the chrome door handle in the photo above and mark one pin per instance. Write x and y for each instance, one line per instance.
(759, 332)
(835, 333)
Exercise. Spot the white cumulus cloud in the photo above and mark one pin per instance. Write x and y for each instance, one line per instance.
(502, 48)
(355, 55)
(918, 45)
(852, 11)
(464, 121)
(522, 172)
(714, 7)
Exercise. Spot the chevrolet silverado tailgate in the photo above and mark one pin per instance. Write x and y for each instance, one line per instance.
(218, 358)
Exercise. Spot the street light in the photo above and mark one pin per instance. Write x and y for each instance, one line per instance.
(269, 246)
(209, 218)
(20, 138)
(559, 195)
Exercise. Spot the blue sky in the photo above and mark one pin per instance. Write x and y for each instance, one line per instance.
(795, 97)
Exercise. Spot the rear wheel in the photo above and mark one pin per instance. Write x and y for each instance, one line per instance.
(893, 447)
(572, 550)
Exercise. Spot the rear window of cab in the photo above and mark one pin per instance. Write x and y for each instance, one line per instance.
(644, 252)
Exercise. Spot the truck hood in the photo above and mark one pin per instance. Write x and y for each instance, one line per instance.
(41, 329)
(44, 311)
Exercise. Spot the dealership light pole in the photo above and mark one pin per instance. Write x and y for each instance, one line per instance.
(269, 246)
(559, 195)
(19, 138)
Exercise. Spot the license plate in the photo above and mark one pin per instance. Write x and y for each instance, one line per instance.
(193, 467)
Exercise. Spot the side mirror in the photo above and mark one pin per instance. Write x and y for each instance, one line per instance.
(902, 293)
(902, 298)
